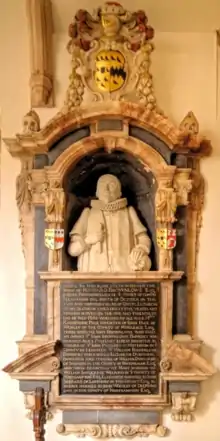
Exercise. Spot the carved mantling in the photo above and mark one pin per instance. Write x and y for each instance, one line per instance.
(41, 362)
(110, 52)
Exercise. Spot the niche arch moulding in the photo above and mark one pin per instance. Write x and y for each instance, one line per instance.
(110, 200)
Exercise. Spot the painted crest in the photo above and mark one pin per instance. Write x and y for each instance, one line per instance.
(110, 74)
(166, 238)
(54, 238)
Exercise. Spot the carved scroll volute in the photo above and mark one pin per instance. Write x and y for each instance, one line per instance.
(54, 201)
(165, 209)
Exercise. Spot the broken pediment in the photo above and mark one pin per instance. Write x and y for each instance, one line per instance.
(40, 362)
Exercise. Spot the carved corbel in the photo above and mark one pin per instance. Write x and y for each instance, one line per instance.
(29, 401)
(39, 14)
(182, 185)
(183, 406)
(106, 431)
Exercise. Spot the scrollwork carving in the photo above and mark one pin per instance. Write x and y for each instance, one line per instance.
(185, 359)
(106, 431)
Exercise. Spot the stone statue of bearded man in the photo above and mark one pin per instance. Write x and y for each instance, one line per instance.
(109, 237)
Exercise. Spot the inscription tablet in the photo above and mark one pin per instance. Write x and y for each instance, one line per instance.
(110, 337)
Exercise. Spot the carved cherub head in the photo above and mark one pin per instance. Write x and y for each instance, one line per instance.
(31, 122)
(108, 188)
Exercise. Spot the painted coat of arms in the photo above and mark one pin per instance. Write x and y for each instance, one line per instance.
(110, 71)
(166, 238)
(110, 52)
(54, 238)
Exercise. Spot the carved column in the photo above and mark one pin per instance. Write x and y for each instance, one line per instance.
(39, 13)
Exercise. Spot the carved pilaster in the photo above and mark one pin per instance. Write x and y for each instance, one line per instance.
(166, 200)
(106, 431)
(194, 224)
(54, 202)
(183, 406)
(165, 209)
(39, 14)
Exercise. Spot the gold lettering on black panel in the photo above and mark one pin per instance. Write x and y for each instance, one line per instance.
(111, 338)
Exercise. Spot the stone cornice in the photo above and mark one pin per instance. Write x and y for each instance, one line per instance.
(63, 123)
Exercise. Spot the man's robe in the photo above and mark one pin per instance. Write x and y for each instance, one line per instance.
(122, 230)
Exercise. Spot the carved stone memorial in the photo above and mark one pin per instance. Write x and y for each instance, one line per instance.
(110, 200)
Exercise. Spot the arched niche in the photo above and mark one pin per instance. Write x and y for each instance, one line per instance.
(138, 186)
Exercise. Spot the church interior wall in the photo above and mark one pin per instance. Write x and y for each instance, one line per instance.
(186, 78)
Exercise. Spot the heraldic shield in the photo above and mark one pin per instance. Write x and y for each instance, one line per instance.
(166, 238)
(54, 238)
(110, 74)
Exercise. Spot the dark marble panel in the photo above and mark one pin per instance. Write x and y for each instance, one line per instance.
(110, 417)
(109, 124)
(41, 263)
(66, 142)
(184, 387)
(90, 345)
(180, 306)
(40, 161)
(30, 386)
(179, 160)
(152, 140)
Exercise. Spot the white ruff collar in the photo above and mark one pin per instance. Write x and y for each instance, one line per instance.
(110, 206)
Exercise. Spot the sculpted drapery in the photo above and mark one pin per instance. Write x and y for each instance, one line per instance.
(108, 236)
